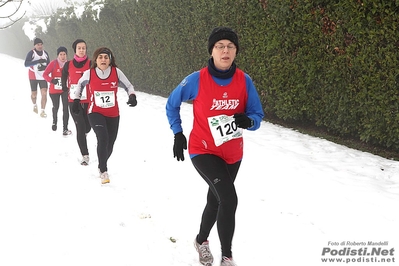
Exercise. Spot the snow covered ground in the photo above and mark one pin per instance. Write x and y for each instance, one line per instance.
(299, 196)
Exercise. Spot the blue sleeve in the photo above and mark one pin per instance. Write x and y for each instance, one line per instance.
(28, 59)
(187, 90)
(254, 109)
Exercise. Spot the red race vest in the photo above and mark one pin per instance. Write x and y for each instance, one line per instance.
(74, 75)
(34, 73)
(104, 94)
(212, 104)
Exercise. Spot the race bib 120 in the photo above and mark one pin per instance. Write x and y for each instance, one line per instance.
(223, 129)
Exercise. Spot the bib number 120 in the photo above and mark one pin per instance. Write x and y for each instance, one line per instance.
(223, 129)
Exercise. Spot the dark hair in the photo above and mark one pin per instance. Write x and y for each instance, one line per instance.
(103, 50)
(75, 43)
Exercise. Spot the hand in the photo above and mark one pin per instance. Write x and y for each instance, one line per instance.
(75, 106)
(54, 81)
(41, 61)
(132, 100)
(65, 89)
(243, 121)
(179, 145)
(41, 67)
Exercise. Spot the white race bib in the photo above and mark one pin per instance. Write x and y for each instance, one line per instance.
(72, 91)
(58, 86)
(224, 129)
(104, 99)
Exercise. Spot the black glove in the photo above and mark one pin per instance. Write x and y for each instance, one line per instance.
(75, 106)
(54, 81)
(41, 61)
(243, 121)
(179, 145)
(65, 89)
(132, 100)
(41, 67)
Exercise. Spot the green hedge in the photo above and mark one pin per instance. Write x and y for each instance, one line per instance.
(333, 64)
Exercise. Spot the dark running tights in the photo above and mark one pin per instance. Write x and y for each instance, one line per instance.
(221, 199)
(82, 126)
(55, 98)
(106, 129)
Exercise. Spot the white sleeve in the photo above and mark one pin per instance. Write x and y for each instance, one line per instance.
(83, 81)
(124, 82)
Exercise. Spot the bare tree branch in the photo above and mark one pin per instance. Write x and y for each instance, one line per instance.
(14, 10)
(46, 8)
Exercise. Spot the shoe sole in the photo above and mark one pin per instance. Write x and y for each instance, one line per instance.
(106, 181)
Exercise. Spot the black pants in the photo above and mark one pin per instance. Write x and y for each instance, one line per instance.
(34, 83)
(221, 199)
(106, 129)
(82, 126)
(55, 98)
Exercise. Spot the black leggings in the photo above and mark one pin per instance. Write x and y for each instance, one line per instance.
(221, 199)
(82, 126)
(106, 129)
(55, 98)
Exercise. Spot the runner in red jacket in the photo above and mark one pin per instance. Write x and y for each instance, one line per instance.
(53, 74)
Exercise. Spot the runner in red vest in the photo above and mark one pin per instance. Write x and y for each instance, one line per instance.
(225, 102)
(53, 74)
(103, 78)
(37, 60)
(71, 73)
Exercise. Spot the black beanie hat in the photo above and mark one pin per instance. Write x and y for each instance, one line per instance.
(76, 43)
(61, 49)
(222, 33)
(37, 40)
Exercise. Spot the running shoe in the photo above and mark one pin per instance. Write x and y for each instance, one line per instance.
(227, 262)
(85, 160)
(66, 132)
(205, 255)
(43, 114)
(104, 178)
